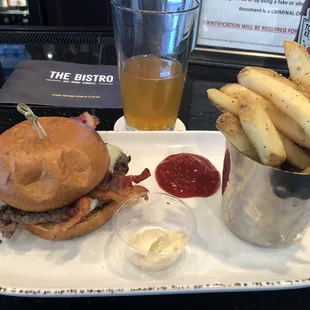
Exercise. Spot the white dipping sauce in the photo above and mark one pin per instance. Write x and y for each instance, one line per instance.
(156, 248)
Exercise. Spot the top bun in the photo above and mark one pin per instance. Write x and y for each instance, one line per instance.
(40, 175)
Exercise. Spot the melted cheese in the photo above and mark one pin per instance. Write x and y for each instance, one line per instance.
(93, 204)
(115, 152)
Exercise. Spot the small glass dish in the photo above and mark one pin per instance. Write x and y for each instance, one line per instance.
(158, 213)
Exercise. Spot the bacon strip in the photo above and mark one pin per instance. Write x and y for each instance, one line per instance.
(114, 187)
(119, 186)
(122, 195)
(81, 208)
(127, 180)
(88, 119)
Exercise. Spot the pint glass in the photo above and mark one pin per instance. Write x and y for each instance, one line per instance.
(153, 40)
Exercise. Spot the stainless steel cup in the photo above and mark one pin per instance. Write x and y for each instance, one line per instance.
(263, 205)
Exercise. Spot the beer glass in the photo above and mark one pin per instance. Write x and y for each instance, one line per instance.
(153, 40)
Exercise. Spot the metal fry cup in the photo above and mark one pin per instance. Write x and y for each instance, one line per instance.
(263, 205)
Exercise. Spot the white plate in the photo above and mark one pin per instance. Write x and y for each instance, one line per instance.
(94, 265)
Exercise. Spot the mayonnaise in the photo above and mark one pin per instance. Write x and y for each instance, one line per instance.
(157, 248)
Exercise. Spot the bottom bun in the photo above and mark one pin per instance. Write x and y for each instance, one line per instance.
(49, 231)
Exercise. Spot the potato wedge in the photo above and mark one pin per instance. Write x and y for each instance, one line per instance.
(287, 82)
(283, 123)
(223, 102)
(303, 90)
(298, 63)
(229, 125)
(286, 98)
(262, 133)
(294, 154)
(279, 76)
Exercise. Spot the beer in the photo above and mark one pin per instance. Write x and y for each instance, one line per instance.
(151, 89)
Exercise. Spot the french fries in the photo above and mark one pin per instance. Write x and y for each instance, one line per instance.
(298, 86)
(299, 66)
(262, 133)
(283, 123)
(285, 97)
(295, 155)
(279, 76)
(223, 102)
(287, 127)
(265, 115)
(298, 63)
(229, 125)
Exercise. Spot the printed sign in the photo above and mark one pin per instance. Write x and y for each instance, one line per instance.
(54, 83)
(255, 25)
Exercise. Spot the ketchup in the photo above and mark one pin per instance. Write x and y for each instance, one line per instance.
(186, 175)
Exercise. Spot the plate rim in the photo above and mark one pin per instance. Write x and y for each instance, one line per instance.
(215, 287)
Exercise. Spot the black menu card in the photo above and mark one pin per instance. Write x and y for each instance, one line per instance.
(55, 83)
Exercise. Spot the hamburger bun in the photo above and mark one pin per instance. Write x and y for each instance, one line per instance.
(49, 231)
(40, 175)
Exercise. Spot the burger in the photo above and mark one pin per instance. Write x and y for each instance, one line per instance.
(65, 185)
